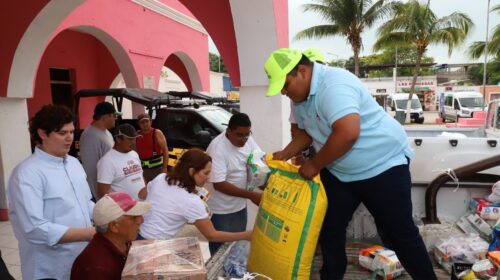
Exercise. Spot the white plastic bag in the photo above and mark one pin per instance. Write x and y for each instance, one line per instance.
(495, 193)
(257, 169)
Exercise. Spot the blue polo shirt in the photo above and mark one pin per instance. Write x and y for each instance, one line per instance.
(382, 142)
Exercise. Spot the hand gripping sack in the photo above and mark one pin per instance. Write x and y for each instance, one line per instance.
(288, 224)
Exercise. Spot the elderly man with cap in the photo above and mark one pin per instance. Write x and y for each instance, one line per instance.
(117, 217)
(96, 140)
(119, 170)
(152, 148)
(362, 157)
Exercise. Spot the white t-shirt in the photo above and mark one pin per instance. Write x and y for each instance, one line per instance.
(122, 170)
(229, 163)
(171, 208)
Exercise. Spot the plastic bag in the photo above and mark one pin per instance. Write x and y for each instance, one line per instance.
(495, 193)
(382, 261)
(258, 171)
(235, 264)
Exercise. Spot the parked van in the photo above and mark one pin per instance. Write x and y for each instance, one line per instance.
(461, 105)
(398, 103)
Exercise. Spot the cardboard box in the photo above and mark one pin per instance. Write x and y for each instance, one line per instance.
(483, 227)
(466, 226)
(174, 259)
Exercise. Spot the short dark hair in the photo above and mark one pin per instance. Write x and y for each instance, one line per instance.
(192, 158)
(304, 60)
(239, 119)
(49, 119)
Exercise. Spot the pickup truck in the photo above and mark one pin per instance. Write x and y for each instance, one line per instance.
(184, 118)
(438, 152)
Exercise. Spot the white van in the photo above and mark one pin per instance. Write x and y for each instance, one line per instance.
(398, 102)
(461, 105)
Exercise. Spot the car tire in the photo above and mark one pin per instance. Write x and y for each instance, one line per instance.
(420, 120)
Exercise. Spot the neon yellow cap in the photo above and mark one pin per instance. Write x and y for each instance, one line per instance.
(278, 65)
(314, 55)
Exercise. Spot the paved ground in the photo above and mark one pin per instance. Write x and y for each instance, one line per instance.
(10, 252)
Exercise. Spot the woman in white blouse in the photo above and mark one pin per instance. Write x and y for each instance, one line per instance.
(175, 201)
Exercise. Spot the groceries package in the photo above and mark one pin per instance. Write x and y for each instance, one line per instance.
(178, 258)
(382, 260)
(461, 249)
(486, 209)
(257, 170)
(288, 224)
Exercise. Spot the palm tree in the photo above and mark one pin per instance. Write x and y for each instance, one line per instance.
(346, 18)
(414, 25)
(476, 49)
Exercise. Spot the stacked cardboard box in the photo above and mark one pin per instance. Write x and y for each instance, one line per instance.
(179, 258)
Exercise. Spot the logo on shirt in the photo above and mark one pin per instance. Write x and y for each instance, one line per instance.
(131, 169)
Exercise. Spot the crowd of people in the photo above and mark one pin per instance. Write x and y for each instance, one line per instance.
(77, 221)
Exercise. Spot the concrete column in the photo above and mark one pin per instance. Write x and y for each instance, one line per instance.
(269, 116)
(15, 143)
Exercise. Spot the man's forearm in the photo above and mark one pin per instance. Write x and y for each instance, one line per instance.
(77, 234)
(165, 159)
(232, 190)
(102, 189)
(300, 141)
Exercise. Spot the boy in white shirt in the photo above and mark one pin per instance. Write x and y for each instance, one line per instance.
(229, 152)
(119, 170)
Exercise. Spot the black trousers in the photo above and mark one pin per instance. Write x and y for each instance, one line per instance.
(388, 198)
(4, 272)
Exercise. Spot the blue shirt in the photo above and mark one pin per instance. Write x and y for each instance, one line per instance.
(382, 142)
(47, 196)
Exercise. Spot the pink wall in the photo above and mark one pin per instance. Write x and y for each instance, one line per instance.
(93, 65)
(139, 40)
(16, 16)
(216, 17)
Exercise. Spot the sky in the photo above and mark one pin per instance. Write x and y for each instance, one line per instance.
(337, 47)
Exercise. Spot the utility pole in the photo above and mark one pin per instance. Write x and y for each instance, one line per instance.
(486, 52)
(395, 72)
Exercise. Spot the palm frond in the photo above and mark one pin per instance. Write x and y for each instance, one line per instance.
(451, 36)
(318, 32)
(476, 49)
(379, 10)
(496, 8)
(459, 20)
(392, 40)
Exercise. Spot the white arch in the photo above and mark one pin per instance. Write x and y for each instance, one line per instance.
(30, 49)
(119, 54)
(191, 69)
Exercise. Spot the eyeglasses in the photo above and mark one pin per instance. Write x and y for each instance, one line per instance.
(242, 136)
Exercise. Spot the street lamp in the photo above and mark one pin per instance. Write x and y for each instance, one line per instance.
(486, 52)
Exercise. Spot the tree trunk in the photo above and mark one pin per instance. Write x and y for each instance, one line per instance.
(356, 61)
(412, 88)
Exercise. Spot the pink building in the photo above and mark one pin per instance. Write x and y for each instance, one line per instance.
(51, 49)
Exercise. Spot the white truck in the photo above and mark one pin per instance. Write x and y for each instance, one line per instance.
(398, 103)
(438, 151)
(461, 105)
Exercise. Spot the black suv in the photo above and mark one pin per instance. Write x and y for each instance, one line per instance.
(185, 123)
